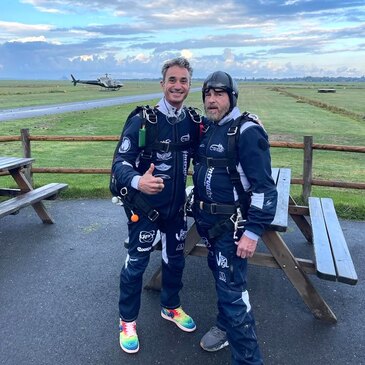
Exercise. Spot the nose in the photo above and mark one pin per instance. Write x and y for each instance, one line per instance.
(177, 84)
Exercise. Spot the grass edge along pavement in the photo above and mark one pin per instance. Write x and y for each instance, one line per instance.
(322, 105)
(279, 115)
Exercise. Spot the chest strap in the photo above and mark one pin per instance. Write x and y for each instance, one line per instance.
(152, 142)
(215, 208)
(212, 161)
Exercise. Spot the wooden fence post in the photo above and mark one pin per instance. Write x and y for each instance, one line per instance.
(24, 132)
(307, 168)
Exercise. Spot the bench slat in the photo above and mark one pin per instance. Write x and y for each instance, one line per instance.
(280, 221)
(346, 272)
(322, 249)
(33, 196)
(14, 162)
(275, 173)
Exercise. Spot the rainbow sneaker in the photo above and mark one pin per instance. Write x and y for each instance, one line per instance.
(180, 318)
(128, 338)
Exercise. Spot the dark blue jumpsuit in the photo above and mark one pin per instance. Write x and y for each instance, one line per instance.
(213, 185)
(172, 166)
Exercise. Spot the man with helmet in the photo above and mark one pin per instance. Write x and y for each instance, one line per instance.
(234, 202)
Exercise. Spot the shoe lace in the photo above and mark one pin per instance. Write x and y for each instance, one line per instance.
(180, 312)
(129, 328)
(217, 332)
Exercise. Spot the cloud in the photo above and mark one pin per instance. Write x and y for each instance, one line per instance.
(132, 39)
(21, 28)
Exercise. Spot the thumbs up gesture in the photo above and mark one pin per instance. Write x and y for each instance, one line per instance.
(150, 184)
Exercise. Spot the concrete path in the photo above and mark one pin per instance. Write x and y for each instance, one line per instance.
(59, 293)
(40, 110)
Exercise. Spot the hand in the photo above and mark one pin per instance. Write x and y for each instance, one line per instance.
(150, 184)
(246, 247)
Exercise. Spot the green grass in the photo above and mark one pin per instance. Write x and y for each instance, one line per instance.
(284, 118)
(330, 103)
(346, 96)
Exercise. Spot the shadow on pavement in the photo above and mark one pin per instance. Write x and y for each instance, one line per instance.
(59, 298)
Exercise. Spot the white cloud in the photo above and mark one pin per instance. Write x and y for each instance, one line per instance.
(15, 27)
(187, 54)
(44, 9)
(263, 38)
(142, 58)
(29, 39)
(84, 58)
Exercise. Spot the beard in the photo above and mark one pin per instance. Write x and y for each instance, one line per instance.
(216, 114)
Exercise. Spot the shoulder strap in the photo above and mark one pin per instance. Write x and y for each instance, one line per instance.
(196, 126)
(149, 129)
(234, 133)
(135, 111)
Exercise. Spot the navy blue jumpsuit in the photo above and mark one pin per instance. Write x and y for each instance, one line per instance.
(172, 166)
(213, 185)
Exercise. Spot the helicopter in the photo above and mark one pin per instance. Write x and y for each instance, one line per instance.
(104, 81)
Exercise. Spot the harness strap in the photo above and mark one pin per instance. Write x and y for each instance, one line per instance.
(152, 142)
(219, 228)
(194, 115)
(134, 200)
(170, 146)
(212, 162)
(215, 208)
(233, 141)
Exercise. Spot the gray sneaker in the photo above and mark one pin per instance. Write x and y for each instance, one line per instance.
(214, 340)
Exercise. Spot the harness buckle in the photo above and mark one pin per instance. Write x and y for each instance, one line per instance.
(210, 162)
(165, 146)
(153, 215)
(213, 208)
(233, 219)
(123, 191)
(238, 223)
(149, 115)
(195, 116)
(232, 131)
(147, 155)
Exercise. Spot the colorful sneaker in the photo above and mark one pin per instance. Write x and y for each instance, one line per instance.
(180, 318)
(128, 338)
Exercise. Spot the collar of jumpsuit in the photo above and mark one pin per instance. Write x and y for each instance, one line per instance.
(173, 114)
(235, 113)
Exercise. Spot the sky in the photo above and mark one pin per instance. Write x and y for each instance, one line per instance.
(130, 39)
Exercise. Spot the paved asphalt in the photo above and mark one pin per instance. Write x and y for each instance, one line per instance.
(59, 293)
(39, 110)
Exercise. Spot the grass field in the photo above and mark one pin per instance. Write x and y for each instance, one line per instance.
(289, 112)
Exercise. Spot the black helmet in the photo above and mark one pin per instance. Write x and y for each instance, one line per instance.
(222, 80)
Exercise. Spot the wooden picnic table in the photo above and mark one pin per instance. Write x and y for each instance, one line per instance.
(319, 225)
(25, 195)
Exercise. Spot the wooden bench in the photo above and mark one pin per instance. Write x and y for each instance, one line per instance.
(332, 257)
(319, 225)
(32, 197)
(195, 247)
